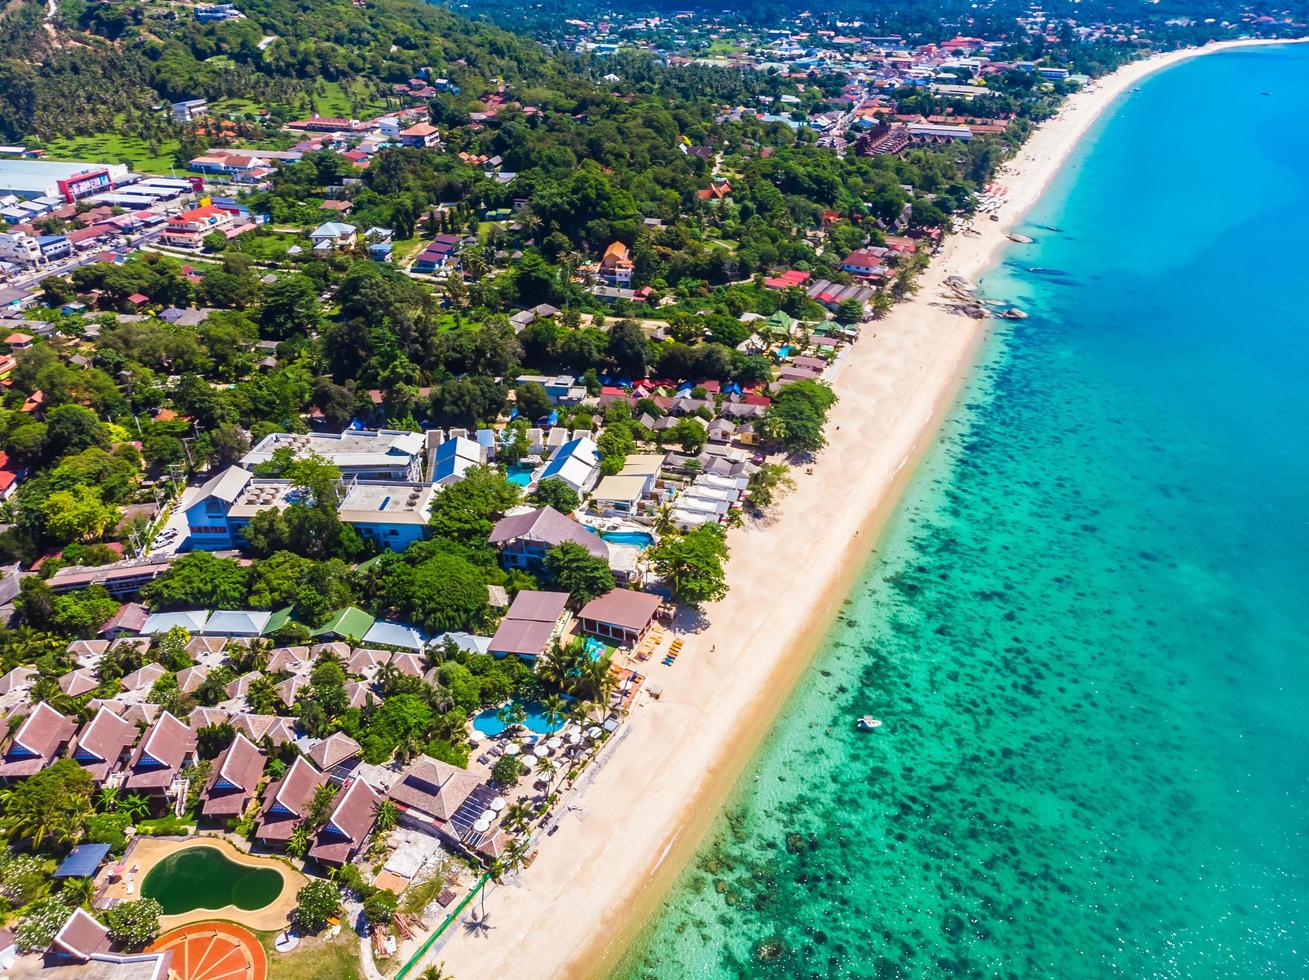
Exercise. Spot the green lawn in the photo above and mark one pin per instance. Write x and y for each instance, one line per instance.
(314, 959)
(337, 98)
(111, 148)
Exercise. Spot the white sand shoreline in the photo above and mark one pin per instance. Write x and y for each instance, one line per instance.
(595, 882)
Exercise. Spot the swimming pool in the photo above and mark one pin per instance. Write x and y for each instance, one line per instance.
(488, 724)
(519, 473)
(637, 539)
(206, 878)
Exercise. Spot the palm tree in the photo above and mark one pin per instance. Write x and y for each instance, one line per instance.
(77, 891)
(517, 813)
(663, 523)
(554, 706)
(135, 806)
(436, 973)
(410, 748)
(386, 814)
(107, 799)
(298, 844)
(262, 696)
(516, 854)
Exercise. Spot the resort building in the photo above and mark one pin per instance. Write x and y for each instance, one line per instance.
(104, 745)
(623, 492)
(39, 740)
(332, 235)
(532, 622)
(576, 462)
(156, 766)
(383, 454)
(286, 802)
(234, 780)
(453, 458)
(620, 616)
(188, 229)
(617, 267)
(341, 837)
(393, 514)
(422, 135)
(337, 756)
(445, 801)
(523, 539)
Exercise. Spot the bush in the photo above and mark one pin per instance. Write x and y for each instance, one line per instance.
(379, 907)
(133, 925)
(109, 828)
(507, 770)
(39, 924)
(316, 902)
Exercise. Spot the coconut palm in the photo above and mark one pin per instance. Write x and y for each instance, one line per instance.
(136, 806)
(410, 747)
(663, 522)
(517, 814)
(386, 814)
(436, 973)
(554, 707)
(298, 844)
(106, 800)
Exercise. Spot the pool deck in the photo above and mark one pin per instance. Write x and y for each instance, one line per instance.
(145, 852)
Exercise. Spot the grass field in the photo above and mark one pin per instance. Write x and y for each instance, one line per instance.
(112, 148)
(337, 98)
(314, 959)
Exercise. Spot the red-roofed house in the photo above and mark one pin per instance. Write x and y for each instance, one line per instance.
(188, 229)
(103, 744)
(286, 802)
(422, 135)
(339, 840)
(235, 777)
(157, 763)
(38, 741)
(863, 262)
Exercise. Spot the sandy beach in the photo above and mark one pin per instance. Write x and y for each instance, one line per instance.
(596, 880)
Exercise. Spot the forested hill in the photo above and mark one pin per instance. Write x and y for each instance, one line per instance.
(97, 61)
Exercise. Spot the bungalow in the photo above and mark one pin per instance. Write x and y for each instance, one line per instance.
(103, 744)
(532, 622)
(623, 492)
(523, 539)
(437, 798)
(337, 756)
(75, 683)
(156, 766)
(576, 462)
(276, 729)
(342, 836)
(452, 459)
(232, 783)
(286, 802)
(864, 262)
(620, 615)
(333, 234)
(39, 740)
(350, 623)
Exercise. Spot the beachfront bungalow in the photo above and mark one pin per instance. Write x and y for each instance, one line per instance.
(523, 539)
(233, 781)
(39, 740)
(532, 622)
(156, 766)
(453, 458)
(103, 745)
(342, 836)
(576, 462)
(442, 800)
(286, 802)
(623, 492)
(620, 616)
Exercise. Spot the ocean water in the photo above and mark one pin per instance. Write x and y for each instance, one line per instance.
(1087, 628)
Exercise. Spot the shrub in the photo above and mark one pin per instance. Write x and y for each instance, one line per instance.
(39, 924)
(316, 902)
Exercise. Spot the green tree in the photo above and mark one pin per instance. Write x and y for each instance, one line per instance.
(769, 483)
(316, 902)
(465, 512)
(134, 925)
(290, 307)
(578, 572)
(199, 580)
(689, 434)
(214, 242)
(555, 493)
(39, 924)
(691, 565)
(54, 803)
(379, 907)
(507, 771)
(628, 348)
(532, 400)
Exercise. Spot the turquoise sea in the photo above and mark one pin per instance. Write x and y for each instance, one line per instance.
(1087, 628)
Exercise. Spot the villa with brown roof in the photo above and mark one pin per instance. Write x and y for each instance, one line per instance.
(144, 678)
(285, 803)
(530, 623)
(234, 779)
(339, 840)
(258, 727)
(523, 539)
(167, 749)
(77, 682)
(39, 740)
(336, 755)
(620, 615)
(434, 797)
(80, 938)
(103, 744)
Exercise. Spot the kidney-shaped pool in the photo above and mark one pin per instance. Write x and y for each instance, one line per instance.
(205, 878)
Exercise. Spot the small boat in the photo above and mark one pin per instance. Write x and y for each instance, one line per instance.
(1265, 93)
(1020, 239)
(1013, 313)
(867, 723)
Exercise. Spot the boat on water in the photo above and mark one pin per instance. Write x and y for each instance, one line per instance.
(1013, 313)
(867, 723)
(1020, 239)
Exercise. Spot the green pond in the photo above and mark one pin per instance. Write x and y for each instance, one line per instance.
(206, 878)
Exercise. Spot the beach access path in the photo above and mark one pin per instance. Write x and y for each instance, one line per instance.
(595, 882)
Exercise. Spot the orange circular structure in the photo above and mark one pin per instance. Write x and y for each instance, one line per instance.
(213, 951)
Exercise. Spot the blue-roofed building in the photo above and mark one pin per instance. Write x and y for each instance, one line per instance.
(83, 861)
(486, 442)
(576, 462)
(454, 458)
(387, 634)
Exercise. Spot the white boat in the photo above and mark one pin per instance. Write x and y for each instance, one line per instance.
(867, 723)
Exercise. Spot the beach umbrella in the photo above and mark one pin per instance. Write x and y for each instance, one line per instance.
(498, 804)
(554, 743)
(540, 751)
(572, 738)
(513, 748)
(529, 761)
(593, 732)
(482, 826)
(488, 815)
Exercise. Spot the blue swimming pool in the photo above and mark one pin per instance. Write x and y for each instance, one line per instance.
(488, 724)
(638, 539)
(519, 473)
